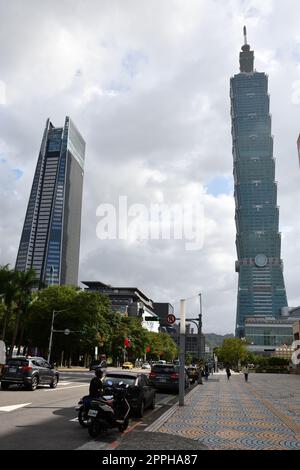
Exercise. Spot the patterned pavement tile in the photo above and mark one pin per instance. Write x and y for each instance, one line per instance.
(263, 414)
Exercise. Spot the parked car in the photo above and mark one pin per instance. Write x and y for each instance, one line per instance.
(29, 372)
(166, 376)
(193, 373)
(146, 365)
(97, 363)
(127, 365)
(141, 395)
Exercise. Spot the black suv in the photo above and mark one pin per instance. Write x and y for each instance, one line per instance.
(166, 376)
(28, 371)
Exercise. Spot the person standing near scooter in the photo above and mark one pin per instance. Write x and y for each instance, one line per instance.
(96, 384)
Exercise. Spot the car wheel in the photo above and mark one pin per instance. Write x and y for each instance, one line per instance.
(34, 384)
(140, 410)
(54, 382)
(152, 406)
(4, 385)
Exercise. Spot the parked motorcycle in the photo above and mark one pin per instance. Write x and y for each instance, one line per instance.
(83, 407)
(104, 415)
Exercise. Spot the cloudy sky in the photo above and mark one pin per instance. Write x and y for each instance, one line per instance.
(147, 85)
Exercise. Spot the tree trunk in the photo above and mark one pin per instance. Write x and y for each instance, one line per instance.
(18, 314)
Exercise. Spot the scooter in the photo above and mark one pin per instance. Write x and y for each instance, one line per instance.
(103, 415)
(83, 407)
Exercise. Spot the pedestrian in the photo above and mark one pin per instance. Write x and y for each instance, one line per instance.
(96, 384)
(245, 371)
(228, 372)
(206, 372)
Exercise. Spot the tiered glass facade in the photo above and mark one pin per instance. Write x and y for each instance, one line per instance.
(51, 234)
(261, 289)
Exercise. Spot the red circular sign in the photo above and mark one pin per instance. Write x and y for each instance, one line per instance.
(171, 319)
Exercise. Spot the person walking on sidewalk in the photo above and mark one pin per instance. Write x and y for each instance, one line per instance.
(228, 373)
(245, 371)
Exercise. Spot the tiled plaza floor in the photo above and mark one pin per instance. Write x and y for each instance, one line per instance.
(261, 414)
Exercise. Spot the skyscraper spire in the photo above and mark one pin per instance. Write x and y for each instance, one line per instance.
(246, 56)
(245, 36)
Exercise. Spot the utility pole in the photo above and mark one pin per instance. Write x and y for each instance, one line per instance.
(182, 353)
(200, 325)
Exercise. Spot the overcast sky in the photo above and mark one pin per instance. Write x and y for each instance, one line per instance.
(147, 85)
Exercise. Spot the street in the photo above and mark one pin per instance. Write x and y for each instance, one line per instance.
(46, 418)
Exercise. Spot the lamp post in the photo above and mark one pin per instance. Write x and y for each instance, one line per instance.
(54, 313)
(182, 353)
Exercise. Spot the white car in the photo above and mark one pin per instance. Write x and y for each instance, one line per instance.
(146, 365)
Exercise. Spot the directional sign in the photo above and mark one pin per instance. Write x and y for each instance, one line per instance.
(171, 319)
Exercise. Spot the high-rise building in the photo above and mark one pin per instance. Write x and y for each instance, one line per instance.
(261, 289)
(51, 233)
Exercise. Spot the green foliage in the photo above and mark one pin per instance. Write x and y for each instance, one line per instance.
(188, 358)
(232, 351)
(84, 313)
(162, 346)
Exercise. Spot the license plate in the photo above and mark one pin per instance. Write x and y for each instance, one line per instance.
(12, 369)
(93, 413)
(162, 380)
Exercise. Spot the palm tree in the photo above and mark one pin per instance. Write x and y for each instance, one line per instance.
(7, 293)
(25, 282)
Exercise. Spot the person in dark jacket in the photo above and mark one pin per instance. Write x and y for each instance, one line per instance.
(228, 373)
(96, 384)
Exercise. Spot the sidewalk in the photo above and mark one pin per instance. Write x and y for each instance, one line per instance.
(220, 414)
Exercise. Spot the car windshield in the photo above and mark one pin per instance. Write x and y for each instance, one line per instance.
(115, 379)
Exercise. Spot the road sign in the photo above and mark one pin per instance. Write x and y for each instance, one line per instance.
(151, 319)
(171, 319)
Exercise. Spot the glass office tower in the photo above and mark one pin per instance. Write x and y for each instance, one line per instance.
(50, 238)
(261, 289)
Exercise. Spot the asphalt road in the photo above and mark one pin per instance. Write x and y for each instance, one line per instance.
(46, 418)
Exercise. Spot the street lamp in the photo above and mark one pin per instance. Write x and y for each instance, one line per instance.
(54, 313)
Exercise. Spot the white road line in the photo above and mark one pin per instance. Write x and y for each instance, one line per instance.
(13, 407)
(65, 388)
(74, 419)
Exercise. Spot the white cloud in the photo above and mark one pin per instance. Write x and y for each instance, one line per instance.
(2, 93)
(147, 84)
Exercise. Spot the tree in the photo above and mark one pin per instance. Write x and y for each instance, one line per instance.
(232, 351)
(84, 313)
(161, 345)
(24, 283)
(7, 293)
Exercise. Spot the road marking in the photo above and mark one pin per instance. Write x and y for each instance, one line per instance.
(65, 388)
(74, 419)
(166, 400)
(13, 407)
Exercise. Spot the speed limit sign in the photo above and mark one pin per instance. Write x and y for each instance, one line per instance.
(171, 319)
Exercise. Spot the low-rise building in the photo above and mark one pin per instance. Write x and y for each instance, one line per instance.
(128, 301)
(264, 334)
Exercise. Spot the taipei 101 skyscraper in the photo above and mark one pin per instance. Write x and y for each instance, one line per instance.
(261, 290)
